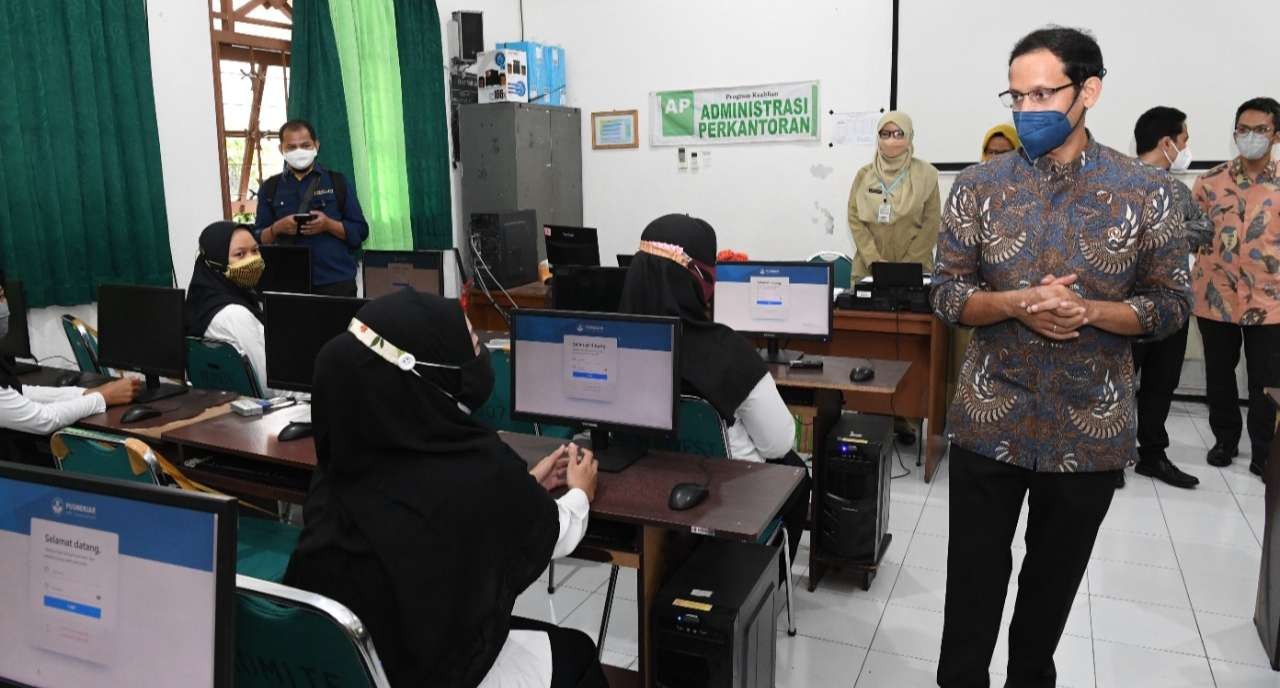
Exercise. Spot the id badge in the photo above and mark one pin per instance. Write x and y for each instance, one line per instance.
(885, 214)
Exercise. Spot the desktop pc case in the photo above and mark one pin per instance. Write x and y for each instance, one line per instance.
(508, 244)
(853, 488)
(714, 621)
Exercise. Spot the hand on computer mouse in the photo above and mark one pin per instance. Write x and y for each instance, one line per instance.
(118, 392)
(582, 471)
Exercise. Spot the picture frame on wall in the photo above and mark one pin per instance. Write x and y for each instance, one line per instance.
(615, 129)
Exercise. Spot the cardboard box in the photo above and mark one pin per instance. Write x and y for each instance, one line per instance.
(502, 76)
(546, 71)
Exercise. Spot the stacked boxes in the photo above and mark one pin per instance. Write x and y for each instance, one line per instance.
(546, 71)
(502, 76)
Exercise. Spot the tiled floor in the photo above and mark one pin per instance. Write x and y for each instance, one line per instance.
(1167, 601)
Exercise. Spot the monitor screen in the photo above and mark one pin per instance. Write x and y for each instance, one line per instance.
(594, 289)
(16, 342)
(113, 584)
(141, 328)
(608, 371)
(297, 326)
(388, 271)
(783, 299)
(571, 245)
(288, 269)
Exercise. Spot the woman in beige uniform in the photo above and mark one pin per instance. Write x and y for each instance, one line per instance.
(894, 205)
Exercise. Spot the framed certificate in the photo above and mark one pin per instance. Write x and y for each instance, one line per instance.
(615, 129)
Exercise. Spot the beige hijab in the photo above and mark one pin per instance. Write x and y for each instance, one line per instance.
(910, 193)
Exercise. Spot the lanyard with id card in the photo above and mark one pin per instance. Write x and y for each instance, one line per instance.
(885, 214)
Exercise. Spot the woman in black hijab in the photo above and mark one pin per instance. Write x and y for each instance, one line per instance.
(222, 300)
(673, 274)
(421, 520)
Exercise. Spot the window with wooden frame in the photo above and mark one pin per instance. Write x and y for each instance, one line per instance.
(251, 45)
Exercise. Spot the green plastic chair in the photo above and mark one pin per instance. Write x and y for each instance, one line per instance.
(84, 344)
(219, 365)
(290, 637)
(496, 412)
(263, 546)
(843, 267)
(702, 430)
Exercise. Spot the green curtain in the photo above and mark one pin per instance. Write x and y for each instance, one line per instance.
(374, 68)
(81, 189)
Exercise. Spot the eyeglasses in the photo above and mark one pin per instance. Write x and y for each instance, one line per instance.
(1038, 96)
(885, 134)
(1264, 129)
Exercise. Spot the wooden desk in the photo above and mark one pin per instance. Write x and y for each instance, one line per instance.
(918, 338)
(1266, 615)
(194, 407)
(744, 499)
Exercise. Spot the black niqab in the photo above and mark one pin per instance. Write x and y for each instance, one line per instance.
(719, 364)
(419, 518)
(210, 291)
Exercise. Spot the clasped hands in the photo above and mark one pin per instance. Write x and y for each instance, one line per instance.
(1052, 310)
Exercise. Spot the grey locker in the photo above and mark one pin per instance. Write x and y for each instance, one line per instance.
(517, 156)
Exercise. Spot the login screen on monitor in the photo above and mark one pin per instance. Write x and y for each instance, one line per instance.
(102, 591)
(616, 372)
(774, 299)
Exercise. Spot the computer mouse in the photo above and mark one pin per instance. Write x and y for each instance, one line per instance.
(686, 496)
(138, 413)
(861, 374)
(294, 431)
(68, 379)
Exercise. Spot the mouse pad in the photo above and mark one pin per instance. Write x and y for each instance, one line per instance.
(175, 409)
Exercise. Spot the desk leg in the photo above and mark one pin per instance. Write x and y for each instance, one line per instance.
(1266, 614)
(830, 404)
(939, 358)
(653, 569)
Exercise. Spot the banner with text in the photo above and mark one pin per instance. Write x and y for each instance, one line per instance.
(745, 114)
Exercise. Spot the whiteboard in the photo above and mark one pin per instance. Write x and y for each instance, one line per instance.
(953, 59)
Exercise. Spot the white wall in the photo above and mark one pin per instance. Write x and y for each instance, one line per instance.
(182, 76)
(780, 200)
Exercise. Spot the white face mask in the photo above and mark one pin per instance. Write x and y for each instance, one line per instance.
(300, 158)
(1253, 146)
(1180, 163)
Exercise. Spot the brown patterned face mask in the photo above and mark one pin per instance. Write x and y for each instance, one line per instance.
(246, 272)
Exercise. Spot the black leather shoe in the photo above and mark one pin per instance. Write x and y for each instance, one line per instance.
(1163, 469)
(1221, 455)
(1120, 479)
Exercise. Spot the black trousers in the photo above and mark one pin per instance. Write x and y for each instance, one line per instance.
(573, 655)
(795, 513)
(986, 498)
(1159, 367)
(347, 288)
(1222, 343)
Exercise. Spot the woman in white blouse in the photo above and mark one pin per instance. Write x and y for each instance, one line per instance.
(223, 302)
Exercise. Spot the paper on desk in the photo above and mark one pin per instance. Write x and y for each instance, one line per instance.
(854, 128)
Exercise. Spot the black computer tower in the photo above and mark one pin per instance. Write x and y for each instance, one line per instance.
(714, 622)
(508, 246)
(853, 502)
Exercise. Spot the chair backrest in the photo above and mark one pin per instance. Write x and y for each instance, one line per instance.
(290, 637)
(103, 455)
(496, 412)
(84, 344)
(218, 365)
(702, 430)
(843, 266)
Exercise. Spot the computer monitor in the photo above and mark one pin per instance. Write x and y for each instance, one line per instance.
(114, 584)
(288, 269)
(141, 329)
(571, 245)
(297, 327)
(17, 341)
(596, 289)
(624, 259)
(388, 271)
(775, 300)
(606, 372)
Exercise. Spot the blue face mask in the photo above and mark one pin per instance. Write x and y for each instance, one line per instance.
(1044, 130)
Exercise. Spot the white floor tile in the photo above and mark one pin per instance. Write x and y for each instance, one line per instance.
(927, 552)
(904, 514)
(1137, 583)
(1240, 676)
(910, 632)
(1172, 629)
(1242, 482)
(1135, 514)
(935, 520)
(536, 604)
(623, 623)
(921, 589)
(884, 670)
(617, 659)
(804, 662)
(1219, 578)
(1073, 660)
(1134, 548)
(837, 611)
(1232, 639)
(587, 576)
(1207, 517)
(1255, 512)
(1127, 666)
